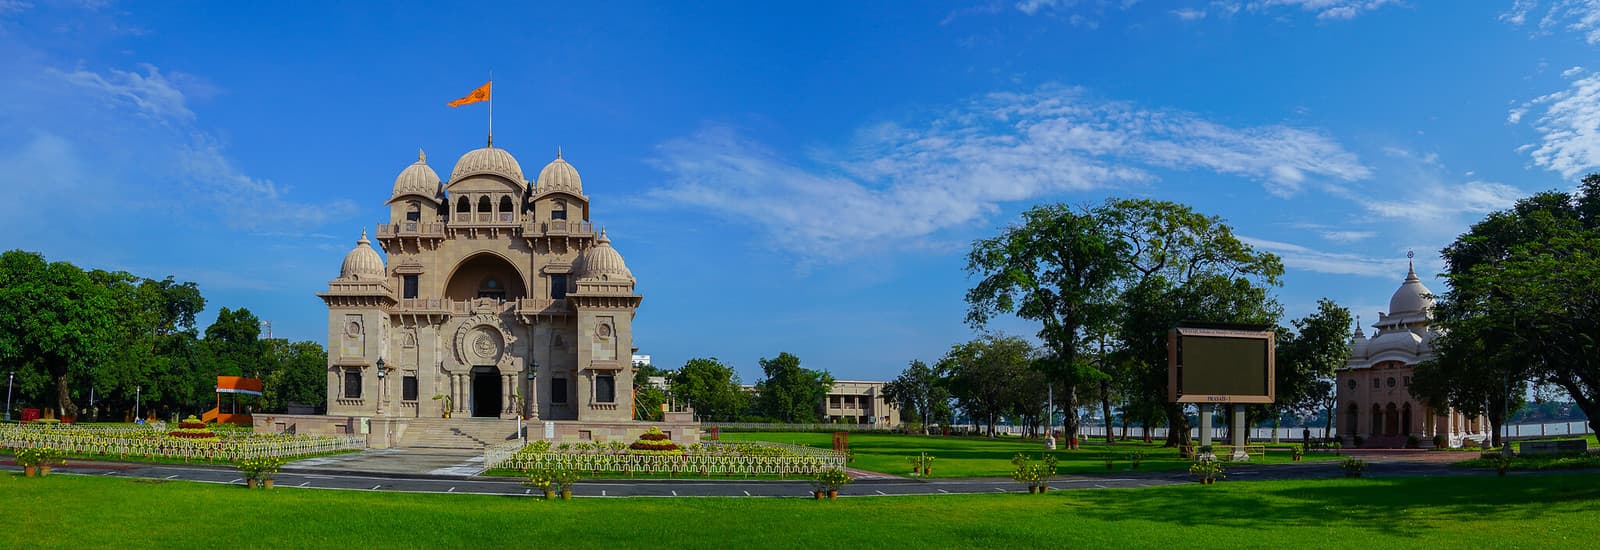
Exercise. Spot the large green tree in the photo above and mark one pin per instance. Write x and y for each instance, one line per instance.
(55, 321)
(1180, 265)
(1056, 268)
(711, 387)
(1306, 359)
(1523, 306)
(791, 393)
(295, 373)
(986, 375)
(919, 393)
(647, 398)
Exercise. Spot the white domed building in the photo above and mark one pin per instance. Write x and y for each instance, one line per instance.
(498, 300)
(1375, 401)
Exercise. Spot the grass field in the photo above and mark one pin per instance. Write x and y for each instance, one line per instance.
(1556, 511)
(982, 457)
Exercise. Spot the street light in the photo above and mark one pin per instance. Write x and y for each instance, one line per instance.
(137, 392)
(9, 378)
(383, 383)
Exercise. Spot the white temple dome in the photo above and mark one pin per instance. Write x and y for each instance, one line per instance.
(1411, 297)
(417, 179)
(560, 176)
(488, 160)
(362, 262)
(602, 262)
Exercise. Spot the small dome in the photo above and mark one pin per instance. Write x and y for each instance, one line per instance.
(560, 176)
(1358, 341)
(1403, 341)
(1411, 297)
(602, 261)
(488, 160)
(362, 262)
(417, 179)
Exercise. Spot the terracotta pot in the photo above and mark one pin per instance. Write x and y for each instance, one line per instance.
(1032, 489)
(250, 483)
(266, 484)
(1043, 489)
(833, 494)
(817, 495)
(549, 494)
(28, 471)
(44, 470)
(566, 494)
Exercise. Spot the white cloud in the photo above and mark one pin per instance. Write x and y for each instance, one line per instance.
(1189, 14)
(1431, 203)
(1518, 13)
(150, 94)
(899, 184)
(1348, 236)
(1580, 16)
(1337, 263)
(1574, 71)
(1569, 124)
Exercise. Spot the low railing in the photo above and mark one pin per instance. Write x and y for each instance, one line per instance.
(497, 454)
(558, 228)
(547, 306)
(150, 443)
(410, 229)
(705, 459)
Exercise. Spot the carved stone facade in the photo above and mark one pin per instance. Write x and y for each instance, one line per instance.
(500, 299)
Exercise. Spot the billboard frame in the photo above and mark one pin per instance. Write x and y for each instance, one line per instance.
(1221, 330)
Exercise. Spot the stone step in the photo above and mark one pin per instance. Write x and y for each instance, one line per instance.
(457, 433)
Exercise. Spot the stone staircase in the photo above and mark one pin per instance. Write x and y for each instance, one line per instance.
(457, 433)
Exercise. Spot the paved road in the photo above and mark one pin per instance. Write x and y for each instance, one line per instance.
(462, 484)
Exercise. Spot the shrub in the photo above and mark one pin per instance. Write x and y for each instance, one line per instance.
(1135, 458)
(832, 479)
(1413, 442)
(1440, 441)
(1208, 470)
(1359, 441)
(1353, 467)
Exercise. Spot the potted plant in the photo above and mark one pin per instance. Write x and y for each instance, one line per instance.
(541, 478)
(49, 457)
(29, 458)
(565, 478)
(268, 471)
(449, 403)
(1440, 441)
(1297, 452)
(1413, 442)
(1204, 452)
(1501, 462)
(1135, 458)
(832, 479)
(1208, 470)
(251, 470)
(1353, 467)
(927, 465)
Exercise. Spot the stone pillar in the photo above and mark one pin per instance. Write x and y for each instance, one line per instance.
(1205, 425)
(506, 391)
(459, 391)
(1241, 435)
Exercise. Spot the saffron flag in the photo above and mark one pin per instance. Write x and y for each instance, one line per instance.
(480, 94)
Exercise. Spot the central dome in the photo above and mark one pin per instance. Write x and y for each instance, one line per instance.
(1411, 297)
(488, 160)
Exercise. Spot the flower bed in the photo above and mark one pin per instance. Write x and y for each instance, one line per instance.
(702, 459)
(155, 442)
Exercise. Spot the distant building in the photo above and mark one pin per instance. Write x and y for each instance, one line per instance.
(860, 402)
(1375, 400)
(639, 360)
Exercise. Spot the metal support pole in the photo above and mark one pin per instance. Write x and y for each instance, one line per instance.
(9, 379)
(1241, 434)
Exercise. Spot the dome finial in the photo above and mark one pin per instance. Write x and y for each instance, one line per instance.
(363, 239)
(491, 139)
(421, 156)
(558, 151)
(603, 237)
(1359, 333)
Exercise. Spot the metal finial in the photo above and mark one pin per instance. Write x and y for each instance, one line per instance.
(421, 156)
(558, 152)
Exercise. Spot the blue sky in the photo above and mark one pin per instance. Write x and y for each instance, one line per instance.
(798, 177)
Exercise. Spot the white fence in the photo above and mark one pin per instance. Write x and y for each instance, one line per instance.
(146, 443)
(1218, 431)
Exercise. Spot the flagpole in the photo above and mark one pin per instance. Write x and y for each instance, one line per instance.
(491, 107)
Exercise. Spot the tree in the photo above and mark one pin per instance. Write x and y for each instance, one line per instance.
(1524, 288)
(918, 391)
(647, 398)
(985, 375)
(711, 387)
(791, 393)
(1056, 268)
(1306, 359)
(1180, 265)
(297, 373)
(54, 320)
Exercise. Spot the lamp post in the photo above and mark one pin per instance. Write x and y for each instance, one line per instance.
(383, 385)
(137, 393)
(9, 379)
(527, 403)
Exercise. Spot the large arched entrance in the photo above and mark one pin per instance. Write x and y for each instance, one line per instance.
(1354, 419)
(1392, 420)
(485, 275)
(1405, 419)
(1377, 420)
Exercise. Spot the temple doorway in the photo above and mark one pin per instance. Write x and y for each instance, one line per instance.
(486, 392)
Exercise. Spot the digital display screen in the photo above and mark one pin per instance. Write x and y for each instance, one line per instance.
(1223, 366)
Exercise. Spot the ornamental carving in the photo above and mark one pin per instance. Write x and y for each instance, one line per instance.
(482, 339)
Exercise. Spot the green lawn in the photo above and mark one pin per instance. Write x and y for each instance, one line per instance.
(983, 457)
(1556, 511)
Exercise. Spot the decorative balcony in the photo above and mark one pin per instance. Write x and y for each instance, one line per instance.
(393, 236)
(531, 310)
(559, 234)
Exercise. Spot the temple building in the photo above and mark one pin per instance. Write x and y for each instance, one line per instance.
(499, 298)
(1375, 401)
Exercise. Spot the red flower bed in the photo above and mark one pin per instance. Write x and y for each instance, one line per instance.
(192, 434)
(660, 446)
(192, 425)
(654, 437)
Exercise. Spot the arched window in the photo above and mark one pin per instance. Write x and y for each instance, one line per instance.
(463, 205)
(1377, 419)
(558, 211)
(1354, 415)
(1405, 419)
(485, 209)
(505, 208)
(413, 211)
(1391, 420)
